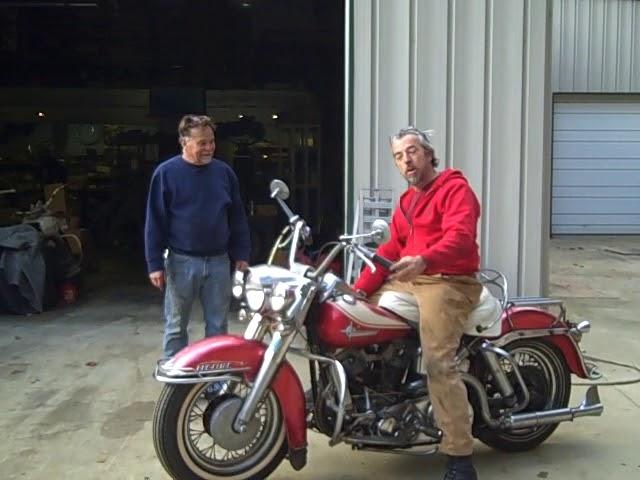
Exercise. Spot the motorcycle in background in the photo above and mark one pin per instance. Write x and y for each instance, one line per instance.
(62, 251)
(233, 407)
(53, 228)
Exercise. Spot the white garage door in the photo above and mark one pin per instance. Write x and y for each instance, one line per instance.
(596, 168)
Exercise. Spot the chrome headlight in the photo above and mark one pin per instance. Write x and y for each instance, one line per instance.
(281, 297)
(255, 298)
(268, 288)
(237, 291)
(237, 288)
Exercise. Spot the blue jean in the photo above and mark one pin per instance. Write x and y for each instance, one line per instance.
(188, 277)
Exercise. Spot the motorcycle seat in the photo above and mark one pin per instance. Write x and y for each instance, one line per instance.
(485, 314)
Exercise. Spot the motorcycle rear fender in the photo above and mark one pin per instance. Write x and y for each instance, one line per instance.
(546, 326)
(226, 355)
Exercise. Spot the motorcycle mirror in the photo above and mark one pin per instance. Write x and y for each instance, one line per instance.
(279, 189)
(380, 231)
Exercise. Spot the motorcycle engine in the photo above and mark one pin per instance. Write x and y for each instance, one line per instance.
(380, 368)
(379, 378)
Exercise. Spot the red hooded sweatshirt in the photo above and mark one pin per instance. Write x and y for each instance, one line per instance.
(439, 223)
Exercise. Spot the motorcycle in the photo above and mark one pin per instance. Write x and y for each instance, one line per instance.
(234, 407)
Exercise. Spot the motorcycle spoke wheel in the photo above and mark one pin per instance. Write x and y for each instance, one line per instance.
(194, 439)
(204, 445)
(547, 378)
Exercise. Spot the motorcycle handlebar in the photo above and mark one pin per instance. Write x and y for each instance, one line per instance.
(384, 262)
(373, 256)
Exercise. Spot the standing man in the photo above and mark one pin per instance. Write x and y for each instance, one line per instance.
(194, 211)
(433, 243)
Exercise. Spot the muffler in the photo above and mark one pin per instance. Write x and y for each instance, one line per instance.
(590, 406)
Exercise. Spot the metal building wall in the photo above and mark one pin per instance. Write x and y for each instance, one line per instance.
(475, 71)
(596, 46)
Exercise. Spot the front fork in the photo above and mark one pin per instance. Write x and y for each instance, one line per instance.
(273, 356)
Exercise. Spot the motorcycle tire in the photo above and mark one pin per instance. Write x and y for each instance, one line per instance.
(176, 449)
(548, 379)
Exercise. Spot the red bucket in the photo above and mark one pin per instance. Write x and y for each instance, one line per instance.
(68, 293)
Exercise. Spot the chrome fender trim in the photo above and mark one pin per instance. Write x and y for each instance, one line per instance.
(165, 373)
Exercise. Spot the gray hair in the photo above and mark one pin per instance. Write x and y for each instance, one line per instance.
(189, 122)
(423, 138)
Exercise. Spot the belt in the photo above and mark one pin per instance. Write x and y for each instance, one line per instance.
(213, 253)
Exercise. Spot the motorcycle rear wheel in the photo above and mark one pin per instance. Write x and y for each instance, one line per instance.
(547, 377)
(188, 450)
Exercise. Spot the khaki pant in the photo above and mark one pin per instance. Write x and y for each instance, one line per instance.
(445, 303)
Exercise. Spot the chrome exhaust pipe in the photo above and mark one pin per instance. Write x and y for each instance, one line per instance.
(590, 406)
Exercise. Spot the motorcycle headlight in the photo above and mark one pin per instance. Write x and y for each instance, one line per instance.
(237, 289)
(281, 297)
(255, 299)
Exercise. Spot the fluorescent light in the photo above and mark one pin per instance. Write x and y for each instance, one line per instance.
(24, 4)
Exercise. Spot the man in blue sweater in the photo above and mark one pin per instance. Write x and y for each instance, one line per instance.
(194, 211)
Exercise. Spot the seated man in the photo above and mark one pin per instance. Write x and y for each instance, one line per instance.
(433, 244)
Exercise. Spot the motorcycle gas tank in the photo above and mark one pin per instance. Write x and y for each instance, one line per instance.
(348, 322)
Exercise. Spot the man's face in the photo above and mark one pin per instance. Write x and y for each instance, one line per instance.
(413, 161)
(199, 146)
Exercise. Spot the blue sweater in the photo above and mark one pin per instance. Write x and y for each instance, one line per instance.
(195, 210)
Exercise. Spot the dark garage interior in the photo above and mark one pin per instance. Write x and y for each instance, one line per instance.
(91, 94)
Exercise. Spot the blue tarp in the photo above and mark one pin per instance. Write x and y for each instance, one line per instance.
(22, 270)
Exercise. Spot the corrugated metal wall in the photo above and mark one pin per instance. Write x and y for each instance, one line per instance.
(475, 72)
(596, 46)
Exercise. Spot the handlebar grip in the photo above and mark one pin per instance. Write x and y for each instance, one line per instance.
(384, 262)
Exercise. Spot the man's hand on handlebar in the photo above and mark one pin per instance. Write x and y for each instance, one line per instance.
(408, 268)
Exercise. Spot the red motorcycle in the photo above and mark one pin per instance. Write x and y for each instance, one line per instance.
(233, 407)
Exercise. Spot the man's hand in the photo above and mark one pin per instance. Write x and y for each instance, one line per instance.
(407, 268)
(241, 265)
(157, 279)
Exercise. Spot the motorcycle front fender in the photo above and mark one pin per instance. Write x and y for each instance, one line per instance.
(231, 355)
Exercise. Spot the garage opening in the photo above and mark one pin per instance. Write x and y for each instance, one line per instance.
(91, 94)
(596, 166)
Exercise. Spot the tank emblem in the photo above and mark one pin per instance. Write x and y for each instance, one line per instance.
(353, 331)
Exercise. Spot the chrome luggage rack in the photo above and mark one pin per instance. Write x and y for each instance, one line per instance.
(496, 282)
(535, 302)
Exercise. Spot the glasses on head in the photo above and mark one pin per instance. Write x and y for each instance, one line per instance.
(411, 130)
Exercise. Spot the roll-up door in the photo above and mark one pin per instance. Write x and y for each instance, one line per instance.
(596, 168)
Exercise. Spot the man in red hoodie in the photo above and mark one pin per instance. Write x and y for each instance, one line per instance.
(433, 244)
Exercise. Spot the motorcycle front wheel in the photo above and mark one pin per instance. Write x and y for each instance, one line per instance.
(547, 377)
(194, 438)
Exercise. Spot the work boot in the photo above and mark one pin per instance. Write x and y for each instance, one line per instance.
(460, 468)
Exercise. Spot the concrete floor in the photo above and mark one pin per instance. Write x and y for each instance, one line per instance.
(77, 395)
